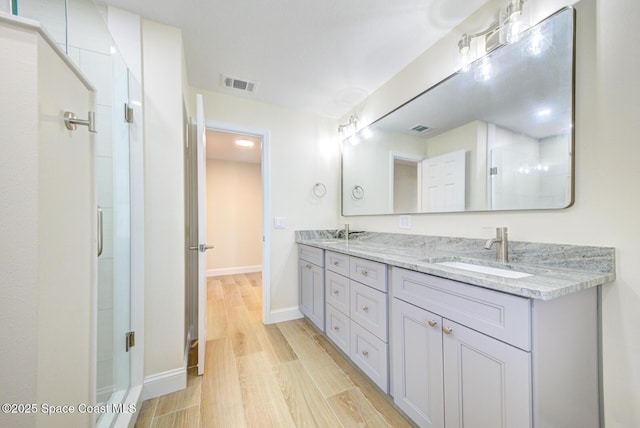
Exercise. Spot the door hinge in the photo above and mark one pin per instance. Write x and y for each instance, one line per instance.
(128, 113)
(129, 340)
(493, 170)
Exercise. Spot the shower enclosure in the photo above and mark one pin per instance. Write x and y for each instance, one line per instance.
(78, 26)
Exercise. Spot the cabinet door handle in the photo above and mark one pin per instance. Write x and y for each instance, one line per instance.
(308, 266)
(432, 323)
(365, 308)
(446, 330)
(365, 353)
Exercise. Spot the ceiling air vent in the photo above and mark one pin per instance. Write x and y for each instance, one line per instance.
(420, 128)
(239, 84)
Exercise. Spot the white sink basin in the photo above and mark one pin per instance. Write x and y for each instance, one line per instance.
(504, 273)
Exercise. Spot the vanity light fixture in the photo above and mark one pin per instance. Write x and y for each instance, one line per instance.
(245, 143)
(350, 133)
(350, 128)
(513, 19)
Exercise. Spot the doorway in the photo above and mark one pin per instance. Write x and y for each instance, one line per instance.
(238, 204)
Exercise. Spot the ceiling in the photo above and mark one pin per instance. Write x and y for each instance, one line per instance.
(320, 56)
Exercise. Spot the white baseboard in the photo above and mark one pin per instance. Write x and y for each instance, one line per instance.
(234, 270)
(164, 383)
(285, 314)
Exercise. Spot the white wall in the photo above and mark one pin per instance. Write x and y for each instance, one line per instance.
(303, 151)
(18, 221)
(607, 175)
(164, 199)
(234, 216)
(374, 154)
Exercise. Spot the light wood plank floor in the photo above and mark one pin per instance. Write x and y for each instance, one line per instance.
(280, 375)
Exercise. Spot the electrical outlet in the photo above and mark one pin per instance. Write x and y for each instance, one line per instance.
(405, 222)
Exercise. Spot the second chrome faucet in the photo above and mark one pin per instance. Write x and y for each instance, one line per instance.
(501, 241)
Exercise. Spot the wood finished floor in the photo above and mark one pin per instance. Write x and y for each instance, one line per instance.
(279, 375)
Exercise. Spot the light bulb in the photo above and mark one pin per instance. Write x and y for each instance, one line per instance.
(245, 143)
(464, 44)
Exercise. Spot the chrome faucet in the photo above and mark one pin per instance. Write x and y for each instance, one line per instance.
(501, 242)
(343, 232)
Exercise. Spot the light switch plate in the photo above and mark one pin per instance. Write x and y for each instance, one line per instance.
(405, 222)
(280, 222)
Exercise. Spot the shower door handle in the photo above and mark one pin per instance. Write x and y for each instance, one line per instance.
(100, 231)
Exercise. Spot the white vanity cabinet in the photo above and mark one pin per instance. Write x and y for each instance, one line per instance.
(468, 356)
(311, 283)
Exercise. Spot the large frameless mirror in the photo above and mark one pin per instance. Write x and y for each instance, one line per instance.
(498, 136)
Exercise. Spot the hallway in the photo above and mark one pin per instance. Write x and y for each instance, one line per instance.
(280, 375)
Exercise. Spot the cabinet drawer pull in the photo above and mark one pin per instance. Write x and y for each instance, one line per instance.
(365, 308)
(446, 330)
(364, 272)
(336, 263)
(308, 266)
(336, 328)
(432, 323)
(336, 292)
(365, 353)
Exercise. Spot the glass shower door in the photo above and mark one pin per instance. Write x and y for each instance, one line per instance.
(114, 265)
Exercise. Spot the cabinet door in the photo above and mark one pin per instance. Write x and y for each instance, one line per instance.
(338, 328)
(337, 262)
(311, 282)
(417, 363)
(370, 354)
(337, 288)
(487, 382)
(369, 309)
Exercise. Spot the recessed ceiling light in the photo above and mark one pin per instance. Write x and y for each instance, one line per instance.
(245, 143)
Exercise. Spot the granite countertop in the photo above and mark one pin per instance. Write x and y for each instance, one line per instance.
(556, 270)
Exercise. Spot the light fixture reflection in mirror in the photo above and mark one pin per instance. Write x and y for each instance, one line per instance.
(506, 127)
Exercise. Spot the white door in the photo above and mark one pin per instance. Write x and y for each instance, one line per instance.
(201, 145)
(443, 182)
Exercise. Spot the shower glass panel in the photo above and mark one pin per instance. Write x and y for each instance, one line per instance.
(80, 30)
(52, 14)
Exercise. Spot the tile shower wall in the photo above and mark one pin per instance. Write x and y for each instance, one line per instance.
(529, 170)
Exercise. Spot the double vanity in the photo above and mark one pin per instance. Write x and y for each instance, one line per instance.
(457, 339)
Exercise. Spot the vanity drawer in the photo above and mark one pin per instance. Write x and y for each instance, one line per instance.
(371, 355)
(338, 327)
(339, 263)
(503, 316)
(311, 254)
(373, 274)
(337, 289)
(369, 309)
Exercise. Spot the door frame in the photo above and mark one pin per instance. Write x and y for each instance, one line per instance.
(266, 204)
(408, 157)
